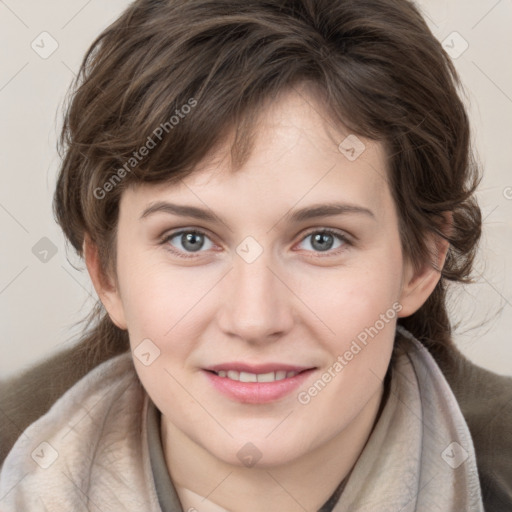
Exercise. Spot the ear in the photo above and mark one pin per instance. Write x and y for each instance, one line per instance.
(106, 290)
(417, 285)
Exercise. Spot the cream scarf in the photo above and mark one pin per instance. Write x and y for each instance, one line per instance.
(420, 455)
(90, 452)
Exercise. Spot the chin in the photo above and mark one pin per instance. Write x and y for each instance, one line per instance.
(257, 451)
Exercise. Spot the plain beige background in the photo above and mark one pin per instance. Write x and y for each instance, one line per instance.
(41, 300)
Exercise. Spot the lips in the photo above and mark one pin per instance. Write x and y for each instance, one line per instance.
(256, 383)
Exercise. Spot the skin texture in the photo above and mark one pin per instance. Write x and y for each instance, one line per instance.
(294, 304)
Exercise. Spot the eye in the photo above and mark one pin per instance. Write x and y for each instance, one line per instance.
(185, 243)
(191, 241)
(324, 240)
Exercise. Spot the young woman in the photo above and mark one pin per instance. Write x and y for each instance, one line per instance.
(271, 198)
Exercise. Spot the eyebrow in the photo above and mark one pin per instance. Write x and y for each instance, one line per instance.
(310, 212)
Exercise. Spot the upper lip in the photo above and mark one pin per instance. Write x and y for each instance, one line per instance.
(257, 368)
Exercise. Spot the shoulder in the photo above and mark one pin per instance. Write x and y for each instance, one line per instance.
(485, 399)
(26, 396)
(88, 444)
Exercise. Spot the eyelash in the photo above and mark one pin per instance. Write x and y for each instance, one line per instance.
(324, 231)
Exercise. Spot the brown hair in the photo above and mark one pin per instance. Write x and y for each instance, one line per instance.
(377, 69)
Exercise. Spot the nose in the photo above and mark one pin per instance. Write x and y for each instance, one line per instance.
(257, 303)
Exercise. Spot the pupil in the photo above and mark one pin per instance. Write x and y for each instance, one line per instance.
(191, 239)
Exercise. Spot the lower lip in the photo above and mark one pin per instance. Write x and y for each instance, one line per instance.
(257, 392)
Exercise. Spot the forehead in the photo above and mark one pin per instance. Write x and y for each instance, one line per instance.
(299, 157)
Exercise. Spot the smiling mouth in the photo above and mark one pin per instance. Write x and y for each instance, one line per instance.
(264, 384)
(256, 377)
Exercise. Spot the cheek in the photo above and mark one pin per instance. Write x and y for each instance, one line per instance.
(355, 297)
(160, 304)
(153, 294)
(362, 310)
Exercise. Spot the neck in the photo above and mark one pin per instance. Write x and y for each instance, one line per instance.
(207, 484)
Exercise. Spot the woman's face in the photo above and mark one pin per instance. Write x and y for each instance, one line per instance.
(260, 292)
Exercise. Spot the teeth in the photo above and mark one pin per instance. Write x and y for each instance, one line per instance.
(248, 377)
(267, 377)
(253, 377)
